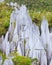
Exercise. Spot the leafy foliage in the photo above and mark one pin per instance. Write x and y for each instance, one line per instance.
(37, 9)
(37, 16)
(5, 12)
(35, 4)
(20, 60)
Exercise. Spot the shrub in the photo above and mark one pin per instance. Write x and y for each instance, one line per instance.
(6, 25)
(37, 16)
(21, 60)
(2, 31)
(5, 12)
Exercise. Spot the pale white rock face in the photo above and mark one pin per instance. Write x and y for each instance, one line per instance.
(51, 42)
(12, 20)
(23, 26)
(12, 46)
(43, 58)
(3, 46)
(45, 32)
(19, 51)
(4, 42)
(51, 37)
(27, 47)
(27, 30)
(22, 47)
(12, 26)
(37, 49)
(15, 38)
(6, 36)
(2, 38)
(11, 4)
(23, 8)
(1, 0)
(1, 60)
(39, 53)
(1, 41)
(15, 35)
(8, 62)
(7, 49)
(45, 35)
(24, 16)
(33, 39)
(23, 29)
(6, 45)
(50, 62)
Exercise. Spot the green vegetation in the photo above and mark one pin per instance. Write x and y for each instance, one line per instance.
(37, 5)
(20, 60)
(5, 12)
(38, 16)
(35, 59)
(37, 9)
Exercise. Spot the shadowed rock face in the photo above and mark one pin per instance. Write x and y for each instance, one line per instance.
(1, 40)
